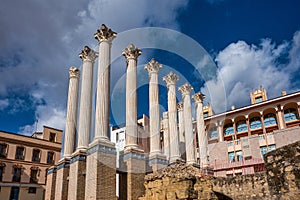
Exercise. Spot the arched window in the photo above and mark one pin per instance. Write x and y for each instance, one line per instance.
(212, 133)
(241, 126)
(228, 129)
(255, 123)
(290, 114)
(270, 119)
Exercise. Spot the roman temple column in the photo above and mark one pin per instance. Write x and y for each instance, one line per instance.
(101, 155)
(133, 158)
(153, 67)
(131, 54)
(105, 37)
(71, 119)
(156, 159)
(181, 130)
(88, 57)
(165, 127)
(76, 182)
(202, 137)
(188, 124)
(60, 182)
(171, 80)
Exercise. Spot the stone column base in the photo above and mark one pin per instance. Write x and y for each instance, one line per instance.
(62, 174)
(134, 162)
(77, 176)
(51, 183)
(158, 162)
(101, 171)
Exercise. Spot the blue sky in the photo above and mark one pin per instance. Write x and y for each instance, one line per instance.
(252, 43)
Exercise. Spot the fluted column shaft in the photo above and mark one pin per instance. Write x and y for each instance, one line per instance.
(171, 80)
(188, 124)
(181, 130)
(202, 137)
(153, 67)
(180, 122)
(104, 37)
(88, 57)
(71, 119)
(165, 125)
(131, 53)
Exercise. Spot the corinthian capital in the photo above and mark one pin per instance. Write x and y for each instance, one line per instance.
(88, 54)
(131, 52)
(185, 89)
(198, 97)
(180, 106)
(171, 79)
(104, 34)
(74, 72)
(153, 66)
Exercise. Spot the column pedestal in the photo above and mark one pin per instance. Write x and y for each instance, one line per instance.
(101, 171)
(62, 174)
(157, 162)
(77, 176)
(51, 183)
(134, 162)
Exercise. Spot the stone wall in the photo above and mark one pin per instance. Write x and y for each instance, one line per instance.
(281, 180)
(252, 186)
(283, 172)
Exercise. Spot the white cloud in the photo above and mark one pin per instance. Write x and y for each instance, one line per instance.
(4, 103)
(47, 116)
(243, 67)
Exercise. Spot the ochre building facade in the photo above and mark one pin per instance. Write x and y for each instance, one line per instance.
(24, 161)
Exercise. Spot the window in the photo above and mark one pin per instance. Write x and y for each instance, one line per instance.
(265, 149)
(271, 147)
(14, 193)
(241, 126)
(205, 114)
(239, 155)
(17, 174)
(50, 158)
(3, 150)
(1, 172)
(33, 176)
(261, 137)
(231, 156)
(255, 123)
(230, 144)
(20, 153)
(52, 137)
(270, 119)
(258, 99)
(270, 136)
(212, 133)
(228, 129)
(32, 190)
(36, 155)
(290, 114)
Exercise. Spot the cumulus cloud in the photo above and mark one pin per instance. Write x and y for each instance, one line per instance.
(3, 104)
(40, 40)
(243, 67)
(47, 116)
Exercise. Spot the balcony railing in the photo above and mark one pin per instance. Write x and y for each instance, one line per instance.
(219, 165)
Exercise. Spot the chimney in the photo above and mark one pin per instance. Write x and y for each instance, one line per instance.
(232, 107)
(283, 93)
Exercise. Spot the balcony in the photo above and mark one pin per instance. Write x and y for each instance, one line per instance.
(222, 165)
